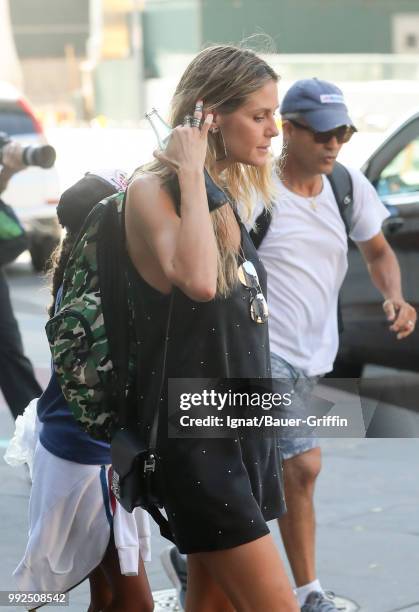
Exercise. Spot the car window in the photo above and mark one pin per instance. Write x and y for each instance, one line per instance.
(14, 120)
(401, 175)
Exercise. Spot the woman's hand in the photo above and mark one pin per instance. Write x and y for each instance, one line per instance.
(187, 147)
(179, 250)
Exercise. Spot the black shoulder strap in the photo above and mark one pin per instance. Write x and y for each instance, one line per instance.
(260, 229)
(342, 187)
(215, 195)
(114, 296)
(341, 183)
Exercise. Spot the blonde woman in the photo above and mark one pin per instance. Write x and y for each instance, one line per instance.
(218, 493)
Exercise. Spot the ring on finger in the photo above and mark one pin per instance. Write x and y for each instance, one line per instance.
(196, 122)
(199, 108)
(188, 120)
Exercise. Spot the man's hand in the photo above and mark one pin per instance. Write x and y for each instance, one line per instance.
(402, 315)
(12, 155)
(385, 273)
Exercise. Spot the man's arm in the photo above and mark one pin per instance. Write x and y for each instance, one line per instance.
(384, 271)
(11, 163)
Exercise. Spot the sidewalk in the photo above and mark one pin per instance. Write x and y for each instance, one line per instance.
(367, 501)
(368, 524)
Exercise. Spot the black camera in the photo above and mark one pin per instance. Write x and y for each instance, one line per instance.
(42, 156)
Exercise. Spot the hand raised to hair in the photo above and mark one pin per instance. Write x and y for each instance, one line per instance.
(187, 146)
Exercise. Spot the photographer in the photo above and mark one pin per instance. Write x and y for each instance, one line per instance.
(17, 379)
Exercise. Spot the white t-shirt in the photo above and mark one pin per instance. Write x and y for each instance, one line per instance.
(305, 255)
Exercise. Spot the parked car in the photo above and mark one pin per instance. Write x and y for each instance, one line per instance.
(393, 169)
(34, 192)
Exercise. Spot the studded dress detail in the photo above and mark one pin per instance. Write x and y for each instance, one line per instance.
(218, 493)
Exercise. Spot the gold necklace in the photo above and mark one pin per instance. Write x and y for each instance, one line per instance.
(313, 204)
(311, 199)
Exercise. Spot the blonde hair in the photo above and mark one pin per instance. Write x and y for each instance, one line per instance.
(224, 76)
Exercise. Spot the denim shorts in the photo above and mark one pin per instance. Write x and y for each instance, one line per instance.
(291, 447)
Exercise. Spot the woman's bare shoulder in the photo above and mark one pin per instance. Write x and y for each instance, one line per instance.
(146, 188)
(144, 185)
(148, 196)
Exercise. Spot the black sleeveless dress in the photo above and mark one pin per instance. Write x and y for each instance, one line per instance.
(218, 493)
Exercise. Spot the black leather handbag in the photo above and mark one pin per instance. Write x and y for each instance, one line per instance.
(133, 471)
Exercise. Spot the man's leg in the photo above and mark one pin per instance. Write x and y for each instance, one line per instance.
(17, 379)
(301, 466)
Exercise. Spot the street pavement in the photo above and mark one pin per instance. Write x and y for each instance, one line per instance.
(367, 498)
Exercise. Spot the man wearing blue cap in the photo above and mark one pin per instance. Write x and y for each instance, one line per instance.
(304, 251)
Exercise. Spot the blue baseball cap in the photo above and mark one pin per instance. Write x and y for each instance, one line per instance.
(319, 103)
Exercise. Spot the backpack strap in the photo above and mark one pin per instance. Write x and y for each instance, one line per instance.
(342, 187)
(114, 296)
(260, 229)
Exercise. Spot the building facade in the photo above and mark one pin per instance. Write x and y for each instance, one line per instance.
(294, 26)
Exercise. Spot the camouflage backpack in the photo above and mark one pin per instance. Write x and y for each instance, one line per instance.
(91, 336)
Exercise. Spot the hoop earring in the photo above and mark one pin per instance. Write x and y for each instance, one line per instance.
(223, 155)
(281, 160)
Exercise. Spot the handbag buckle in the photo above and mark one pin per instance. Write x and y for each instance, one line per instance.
(150, 464)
